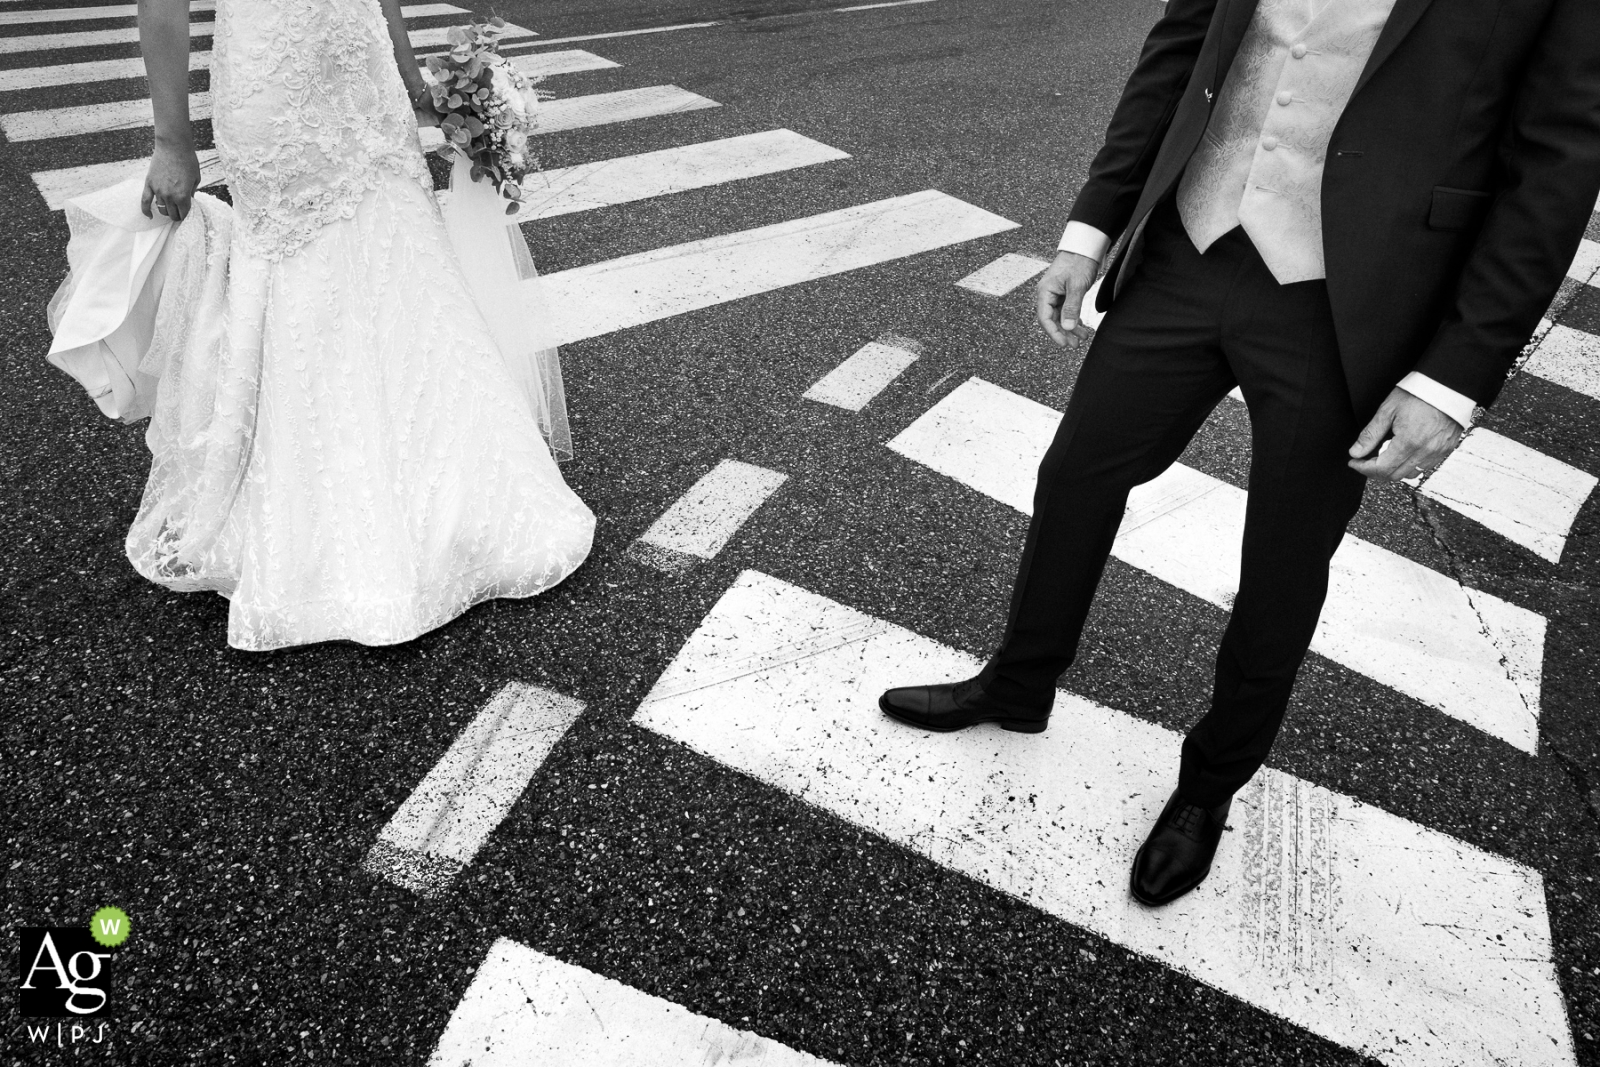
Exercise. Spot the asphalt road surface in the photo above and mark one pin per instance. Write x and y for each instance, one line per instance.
(653, 816)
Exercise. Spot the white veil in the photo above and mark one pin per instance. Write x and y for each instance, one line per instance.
(499, 270)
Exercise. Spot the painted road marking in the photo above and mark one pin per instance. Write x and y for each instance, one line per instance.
(1374, 932)
(128, 11)
(1516, 491)
(80, 73)
(1483, 484)
(887, 3)
(703, 520)
(455, 808)
(524, 1007)
(1004, 274)
(81, 14)
(46, 42)
(1587, 261)
(623, 33)
(538, 64)
(92, 118)
(852, 384)
(632, 290)
(1570, 358)
(598, 109)
(703, 25)
(609, 182)
(1471, 655)
(59, 186)
(134, 114)
(565, 61)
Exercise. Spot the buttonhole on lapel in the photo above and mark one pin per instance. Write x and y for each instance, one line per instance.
(1349, 153)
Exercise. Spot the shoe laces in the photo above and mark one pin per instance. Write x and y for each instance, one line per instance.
(965, 691)
(1189, 819)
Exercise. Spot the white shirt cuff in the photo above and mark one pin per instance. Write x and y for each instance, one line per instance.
(1458, 407)
(1085, 240)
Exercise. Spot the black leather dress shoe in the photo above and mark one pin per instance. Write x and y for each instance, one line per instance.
(955, 706)
(1176, 856)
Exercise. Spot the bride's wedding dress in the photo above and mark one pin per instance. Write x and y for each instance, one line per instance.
(339, 446)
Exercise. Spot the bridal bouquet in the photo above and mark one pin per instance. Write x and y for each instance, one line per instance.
(487, 107)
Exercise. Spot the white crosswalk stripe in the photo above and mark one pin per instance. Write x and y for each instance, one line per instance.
(633, 290)
(92, 118)
(1369, 930)
(49, 42)
(624, 105)
(538, 64)
(116, 11)
(626, 33)
(83, 14)
(1004, 274)
(81, 73)
(869, 371)
(608, 182)
(1587, 262)
(705, 518)
(59, 186)
(554, 116)
(1467, 653)
(457, 805)
(525, 1007)
(1516, 491)
(1522, 494)
(1568, 357)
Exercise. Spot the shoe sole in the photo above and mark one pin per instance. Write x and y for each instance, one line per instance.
(1156, 902)
(1021, 726)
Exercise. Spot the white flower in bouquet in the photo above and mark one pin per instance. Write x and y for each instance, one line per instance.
(507, 93)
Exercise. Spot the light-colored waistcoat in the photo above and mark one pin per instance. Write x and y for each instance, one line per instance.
(1260, 162)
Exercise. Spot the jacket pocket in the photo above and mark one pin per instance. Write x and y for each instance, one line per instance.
(1457, 209)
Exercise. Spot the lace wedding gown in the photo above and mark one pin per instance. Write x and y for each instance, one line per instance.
(349, 456)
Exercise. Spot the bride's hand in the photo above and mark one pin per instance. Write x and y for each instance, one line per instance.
(169, 185)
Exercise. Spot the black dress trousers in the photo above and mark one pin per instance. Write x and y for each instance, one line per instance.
(1184, 331)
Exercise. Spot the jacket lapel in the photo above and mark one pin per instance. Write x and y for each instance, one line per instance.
(1235, 15)
(1402, 17)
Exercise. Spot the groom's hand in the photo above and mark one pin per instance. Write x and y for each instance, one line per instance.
(1061, 298)
(1420, 437)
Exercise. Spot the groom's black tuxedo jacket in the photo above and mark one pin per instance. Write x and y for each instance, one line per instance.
(1458, 182)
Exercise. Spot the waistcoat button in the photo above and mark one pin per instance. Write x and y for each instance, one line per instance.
(1285, 98)
(1298, 51)
(1269, 142)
